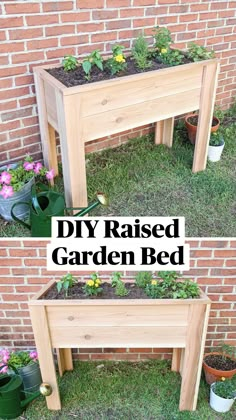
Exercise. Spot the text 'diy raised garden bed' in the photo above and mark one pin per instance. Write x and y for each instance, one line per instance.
(102, 108)
(123, 322)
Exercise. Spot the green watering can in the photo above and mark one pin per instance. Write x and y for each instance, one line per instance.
(47, 204)
(12, 397)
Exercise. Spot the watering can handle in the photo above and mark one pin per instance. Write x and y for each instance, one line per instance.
(16, 218)
(35, 202)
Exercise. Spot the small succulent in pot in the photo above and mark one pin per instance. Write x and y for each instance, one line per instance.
(216, 146)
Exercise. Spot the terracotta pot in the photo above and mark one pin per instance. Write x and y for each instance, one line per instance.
(212, 375)
(192, 129)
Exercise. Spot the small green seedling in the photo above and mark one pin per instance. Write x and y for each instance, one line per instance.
(140, 53)
(162, 38)
(94, 59)
(121, 289)
(197, 52)
(115, 279)
(65, 283)
(143, 278)
(69, 63)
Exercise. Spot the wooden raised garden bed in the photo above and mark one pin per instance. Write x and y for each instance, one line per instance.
(96, 323)
(91, 111)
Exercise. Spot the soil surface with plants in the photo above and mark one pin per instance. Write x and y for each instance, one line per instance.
(77, 77)
(220, 362)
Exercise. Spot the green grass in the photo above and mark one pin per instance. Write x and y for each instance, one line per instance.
(142, 179)
(123, 391)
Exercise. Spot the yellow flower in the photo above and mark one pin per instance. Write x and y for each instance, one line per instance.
(98, 281)
(154, 282)
(119, 58)
(90, 283)
(163, 51)
(96, 285)
(223, 378)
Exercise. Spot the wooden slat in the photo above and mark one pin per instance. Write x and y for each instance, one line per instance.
(122, 315)
(176, 357)
(64, 359)
(118, 120)
(137, 91)
(50, 99)
(93, 337)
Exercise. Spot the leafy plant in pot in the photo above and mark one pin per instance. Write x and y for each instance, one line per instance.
(25, 363)
(216, 146)
(220, 363)
(191, 122)
(16, 181)
(223, 394)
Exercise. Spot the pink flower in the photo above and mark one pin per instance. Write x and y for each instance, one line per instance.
(50, 174)
(4, 369)
(7, 191)
(5, 178)
(28, 166)
(33, 355)
(38, 167)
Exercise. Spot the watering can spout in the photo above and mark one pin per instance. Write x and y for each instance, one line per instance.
(44, 389)
(101, 199)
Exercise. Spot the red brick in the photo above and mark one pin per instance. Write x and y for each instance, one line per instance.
(22, 8)
(11, 22)
(42, 43)
(24, 80)
(24, 151)
(215, 23)
(156, 11)
(229, 298)
(10, 125)
(4, 60)
(198, 7)
(188, 18)
(218, 5)
(75, 17)
(60, 30)
(179, 9)
(124, 13)
(116, 3)
(60, 52)
(12, 115)
(74, 40)
(12, 71)
(144, 2)
(90, 27)
(23, 132)
(5, 83)
(167, 19)
(9, 47)
(220, 289)
(210, 263)
(137, 23)
(25, 33)
(107, 36)
(11, 145)
(214, 244)
(43, 19)
(57, 6)
(35, 262)
(26, 57)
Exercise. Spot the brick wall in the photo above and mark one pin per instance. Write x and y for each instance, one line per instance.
(22, 272)
(34, 32)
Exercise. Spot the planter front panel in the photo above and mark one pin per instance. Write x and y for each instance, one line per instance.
(117, 326)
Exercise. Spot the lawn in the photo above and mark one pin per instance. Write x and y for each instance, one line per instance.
(142, 179)
(122, 391)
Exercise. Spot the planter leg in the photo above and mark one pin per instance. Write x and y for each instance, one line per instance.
(64, 358)
(72, 150)
(47, 132)
(176, 357)
(164, 132)
(192, 362)
(207, 100)
(46, 361)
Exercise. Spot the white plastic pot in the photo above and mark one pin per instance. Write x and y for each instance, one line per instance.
(214, 152)
(219, 404)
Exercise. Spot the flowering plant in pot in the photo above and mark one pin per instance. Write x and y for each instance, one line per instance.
(220, 363)
(223, 394)
(16, 181)
(25, 363)
(216, 146)
(191, 122)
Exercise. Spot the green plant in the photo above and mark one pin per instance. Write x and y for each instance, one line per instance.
(12, 179)
(65, 283)
(16, 360)
(169, 288)
(69, 63)
(115, 279)
(92, 287)
(197, 52)
(121, 290)
(226, 350)
(143, 278)
(226, 388)
(171, 57)
(216, 138)
(162, 38)
(93, 59)
(140, 53)
(118, 62)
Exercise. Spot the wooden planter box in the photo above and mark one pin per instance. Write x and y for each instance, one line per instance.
(84, 113)
(65, 324)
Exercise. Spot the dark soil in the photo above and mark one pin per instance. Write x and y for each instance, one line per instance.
(77, 77)
(219, 362)
(194, 121)
(76, 292)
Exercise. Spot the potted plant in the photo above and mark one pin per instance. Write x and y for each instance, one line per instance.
(191, 123)
(27, 366)
(95, 97)
(16, 181)
(155, 311)
(216, 146)
(220, 363)
(223, 394)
